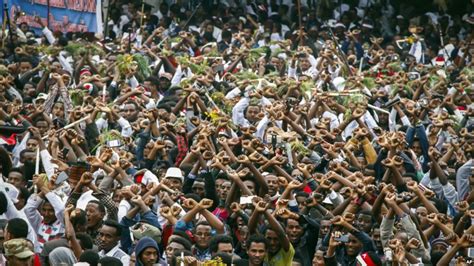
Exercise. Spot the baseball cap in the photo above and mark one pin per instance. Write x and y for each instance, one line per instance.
(17, 247)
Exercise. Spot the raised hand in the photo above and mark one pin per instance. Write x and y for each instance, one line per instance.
(205, 204)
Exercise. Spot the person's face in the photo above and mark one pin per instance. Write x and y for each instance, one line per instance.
(198, 188)
(301, 202)
(439, 248)
(272, 183)
(276, 62)
(354, 246)
(108, 237)
(421, 212)
(250, 185)
(225, 248)
(318, 259)
(273, 241)
(58, 110)
(416, 147)
(172, 248)
(325, 227)
(164, 84)
(175, 183)
(28, 157)
(364, 223)
(94, 216)
(224, 189)
(252, 112)
(256, 252)
(25, 67)
(390, 49)
(47, 211)
(294, 231)
(149, 256)
(42, 127)
(203, 236)
(130, 112)
(32, 144)
(16, 179)
(29, 90)
(304, 63)
(107, 96)
(376, 238)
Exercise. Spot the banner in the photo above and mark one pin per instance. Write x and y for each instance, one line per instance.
(64, 15)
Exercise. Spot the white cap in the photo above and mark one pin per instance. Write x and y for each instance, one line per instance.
(174, 172)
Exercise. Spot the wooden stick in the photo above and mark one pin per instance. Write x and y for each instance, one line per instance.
(70, 125)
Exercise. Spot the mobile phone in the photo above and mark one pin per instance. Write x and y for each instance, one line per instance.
(114, 143)
(342, 238)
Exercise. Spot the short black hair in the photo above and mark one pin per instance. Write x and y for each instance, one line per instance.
(17, 228)
(114, 224)
(257, 239)
(110, 261)
(86, 241)
(182, 241)
(90, 257)
(217, 239)
(17, 170)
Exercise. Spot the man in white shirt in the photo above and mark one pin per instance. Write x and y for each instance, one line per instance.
(109, 236)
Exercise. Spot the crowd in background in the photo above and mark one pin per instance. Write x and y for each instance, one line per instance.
(272, 133)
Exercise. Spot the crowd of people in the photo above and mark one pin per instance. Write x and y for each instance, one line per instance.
(272, 133)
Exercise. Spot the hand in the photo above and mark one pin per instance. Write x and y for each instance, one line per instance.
(413, 186)
(137, 200)
(467, 240)
(190, 203)
(205, 204)
(432, 218)
(243, 159)
(175, 210)
(94, 161)
(282, 182)
(86, 179)
(284, 213)
(165, 211)
(337, 220)
(69, 209)
(295, 184)
(261, 206)
(462, 206)
(413, 243)
(390, 199)
(235, 207)
(332, 241)
(35, 133)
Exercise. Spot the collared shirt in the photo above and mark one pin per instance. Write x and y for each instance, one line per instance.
(117, 253)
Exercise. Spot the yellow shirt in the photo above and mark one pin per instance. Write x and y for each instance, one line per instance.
(282, 258)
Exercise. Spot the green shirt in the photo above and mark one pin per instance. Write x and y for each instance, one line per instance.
(282, 258)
